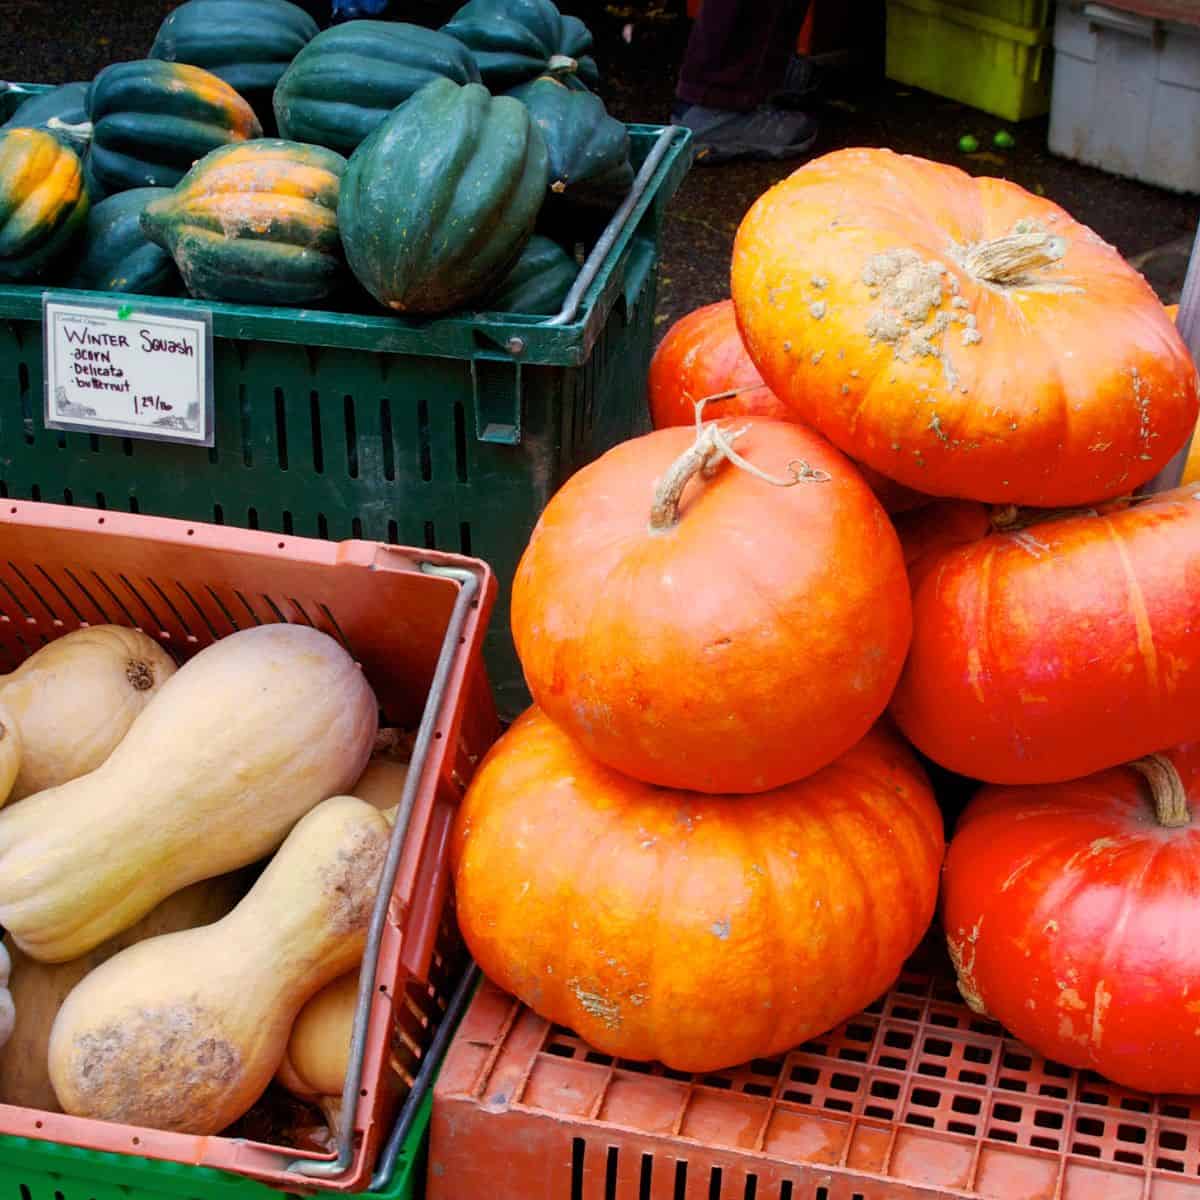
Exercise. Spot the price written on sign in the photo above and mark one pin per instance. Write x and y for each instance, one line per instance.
(127, 372)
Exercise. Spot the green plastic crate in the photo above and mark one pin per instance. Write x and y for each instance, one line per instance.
(450, 434)
(997, 66)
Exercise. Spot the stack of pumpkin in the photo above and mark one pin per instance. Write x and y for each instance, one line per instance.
(425, 159)
(157, 977)
(707, 842)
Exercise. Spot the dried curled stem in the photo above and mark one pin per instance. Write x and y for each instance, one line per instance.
(712, 447)
(1170, 796)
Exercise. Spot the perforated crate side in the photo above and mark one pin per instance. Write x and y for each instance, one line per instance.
(187, 585)
(914, 1097)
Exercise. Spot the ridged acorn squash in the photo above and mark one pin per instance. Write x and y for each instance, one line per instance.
(539, 283)
(152, 119)
(438, 203)
(517, 40)
(65, 106)
(43, 202)
(588, 149)
(117, 255)
(255, 222)
(348, 78)
(247, 43)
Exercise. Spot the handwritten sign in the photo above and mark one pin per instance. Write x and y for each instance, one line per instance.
(128, 371)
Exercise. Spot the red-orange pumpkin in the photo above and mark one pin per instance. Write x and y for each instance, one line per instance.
(1058, 648)
(703, 355)
(702, 628)
(701, 931)
(960, 335)
(1070, 911)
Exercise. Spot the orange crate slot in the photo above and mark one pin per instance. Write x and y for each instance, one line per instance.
(916, 1096)
(417, 633)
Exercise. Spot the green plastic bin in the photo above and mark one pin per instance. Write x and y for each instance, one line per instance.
(450, 434)
(998, 66)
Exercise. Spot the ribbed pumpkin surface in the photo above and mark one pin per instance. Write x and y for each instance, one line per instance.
(347, 79)
(153, 119)
(438, 203)
(43, 201)
(517, 40)
(256, 222)
(117, 255)
(247, 43)
(540, 281)
(588, 149)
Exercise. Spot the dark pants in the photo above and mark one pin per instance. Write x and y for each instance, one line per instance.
(738, 51)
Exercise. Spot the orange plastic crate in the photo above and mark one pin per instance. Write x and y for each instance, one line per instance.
(914, 1097)
(417, 632)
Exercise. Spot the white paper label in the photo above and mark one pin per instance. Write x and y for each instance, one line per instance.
(129, 372)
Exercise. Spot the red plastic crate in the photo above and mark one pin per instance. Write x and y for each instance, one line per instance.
(914, 1097)
(189, 584)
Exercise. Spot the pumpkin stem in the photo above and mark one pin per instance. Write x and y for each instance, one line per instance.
(713, 446)
(561, 64)
(1009, 260)
(1170, 796)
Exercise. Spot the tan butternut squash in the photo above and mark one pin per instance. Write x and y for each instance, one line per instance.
(39, 989)
(11, 753)
(75, 699)
(382, 783)
(184, 1032)
(238, 745)
(318, 1048)
(7, 1009)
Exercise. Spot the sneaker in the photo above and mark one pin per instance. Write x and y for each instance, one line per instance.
(799, 86)
(766, 133)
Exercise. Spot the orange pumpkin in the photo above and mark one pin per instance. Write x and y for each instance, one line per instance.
(1070, 912)
(1058, 647)
(703, 355)
(1191, 467)
(701, 931)
(959, 335)
(695, 626)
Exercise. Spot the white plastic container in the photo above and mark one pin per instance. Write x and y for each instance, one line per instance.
(1126, 94)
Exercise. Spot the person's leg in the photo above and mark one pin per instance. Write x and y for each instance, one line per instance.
(738, 52)
(736, 61)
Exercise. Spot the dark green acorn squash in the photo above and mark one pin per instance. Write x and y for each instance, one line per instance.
(247, 43)
(61, 110)
(517, 40)
(152, 119)
(539, 283)
(43, 202)
(256, 223)
(438, 203)
(117, 255)
(588, 149)
(348, 78)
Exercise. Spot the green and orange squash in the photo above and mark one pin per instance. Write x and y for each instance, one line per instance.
(116, 254)
(247, 43)
(588, 149)
(348, 78)
(255, 222)
(438, 203)
(514, 41)
(43, 202)
(540, 281)
(151, 120)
